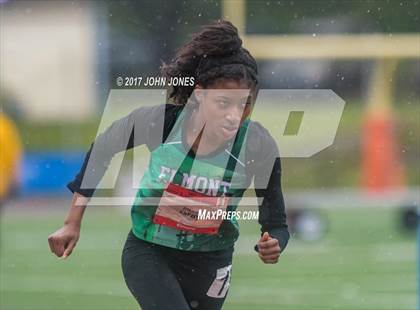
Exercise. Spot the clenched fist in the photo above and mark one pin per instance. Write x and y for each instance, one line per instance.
(63, 241)
(268, 249)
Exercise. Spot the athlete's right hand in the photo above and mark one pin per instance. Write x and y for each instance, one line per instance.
(63, 241)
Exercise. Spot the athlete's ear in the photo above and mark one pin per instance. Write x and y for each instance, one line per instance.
(199, 93)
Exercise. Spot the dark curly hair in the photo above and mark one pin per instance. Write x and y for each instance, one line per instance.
(214, 52)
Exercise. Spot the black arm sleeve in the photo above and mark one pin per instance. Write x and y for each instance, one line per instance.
(145, 125)
(272, 214)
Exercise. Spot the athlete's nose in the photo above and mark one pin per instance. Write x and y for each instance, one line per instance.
(234, 115)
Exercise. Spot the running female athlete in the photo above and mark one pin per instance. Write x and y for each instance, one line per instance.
(172, 259)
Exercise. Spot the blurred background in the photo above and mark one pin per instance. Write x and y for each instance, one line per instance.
(352, 207)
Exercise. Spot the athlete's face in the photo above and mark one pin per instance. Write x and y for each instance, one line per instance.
(223, 107)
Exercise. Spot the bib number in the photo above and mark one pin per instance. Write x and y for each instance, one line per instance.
(179, 208)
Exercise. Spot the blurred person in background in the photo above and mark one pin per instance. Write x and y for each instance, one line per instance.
(176, 266)
(10, 158)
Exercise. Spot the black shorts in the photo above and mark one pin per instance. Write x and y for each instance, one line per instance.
(162, 278)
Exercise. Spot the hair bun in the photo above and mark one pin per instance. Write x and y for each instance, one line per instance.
(221, 39)
(214, 52)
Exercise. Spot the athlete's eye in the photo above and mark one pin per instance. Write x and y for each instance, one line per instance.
(223, 102)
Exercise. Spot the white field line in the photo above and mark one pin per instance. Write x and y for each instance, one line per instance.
(318, 198)
(340, 296)
(394, 251)
(267, 295)
(381, 252)
(61, 285)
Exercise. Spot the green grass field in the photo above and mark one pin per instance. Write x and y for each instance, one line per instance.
(363, 263)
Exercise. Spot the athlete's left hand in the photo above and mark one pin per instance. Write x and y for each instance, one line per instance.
(268, 249)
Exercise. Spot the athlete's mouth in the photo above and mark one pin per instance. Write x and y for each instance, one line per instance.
(229, 131)
(230, 128)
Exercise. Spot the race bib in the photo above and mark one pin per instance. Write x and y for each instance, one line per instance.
(179, 208)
